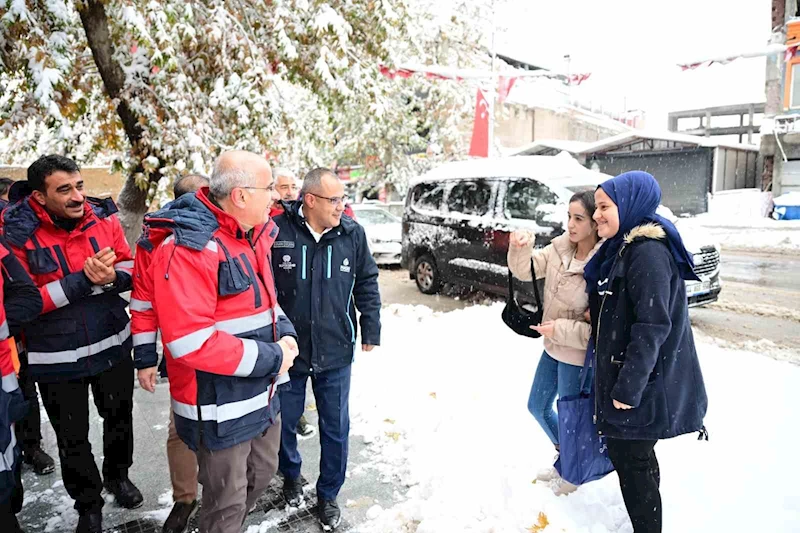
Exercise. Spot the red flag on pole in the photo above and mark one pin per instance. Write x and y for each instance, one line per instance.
(479, 147)
(504, 86)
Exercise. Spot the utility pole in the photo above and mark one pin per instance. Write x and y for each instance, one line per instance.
(774, 98)
(492, 95)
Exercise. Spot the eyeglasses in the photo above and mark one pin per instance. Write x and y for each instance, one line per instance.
(335, 200)
(271, 188)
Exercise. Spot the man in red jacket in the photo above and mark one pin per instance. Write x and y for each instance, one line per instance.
(144, 324)
(75, 251)
(226, 339)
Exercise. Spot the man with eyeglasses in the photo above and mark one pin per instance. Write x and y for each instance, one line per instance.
(323, 272)
(226, 340)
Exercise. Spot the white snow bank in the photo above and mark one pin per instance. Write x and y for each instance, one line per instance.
(747, 232)
(443, 404)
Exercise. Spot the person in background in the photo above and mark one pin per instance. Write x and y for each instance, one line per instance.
(75, 251)
(28, 429)
(144, 325)
(226, 340)
(648, 381)
(286, 185)
(565, 331)
(20, 302)
(5, 186)
(323, 272)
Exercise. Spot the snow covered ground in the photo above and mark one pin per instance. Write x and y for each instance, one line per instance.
(443, 405)
(754, 233)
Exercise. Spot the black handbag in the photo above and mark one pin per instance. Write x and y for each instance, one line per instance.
(517, 317)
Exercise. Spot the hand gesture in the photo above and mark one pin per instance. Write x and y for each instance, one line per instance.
(521, 238)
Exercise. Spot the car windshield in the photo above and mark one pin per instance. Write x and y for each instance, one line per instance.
(375, 216)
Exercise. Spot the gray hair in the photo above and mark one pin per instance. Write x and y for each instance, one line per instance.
(284, 172)
(313, 180)
(226, 177)
(188, 183)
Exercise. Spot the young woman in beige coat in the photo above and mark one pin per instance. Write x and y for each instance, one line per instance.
(564, 326)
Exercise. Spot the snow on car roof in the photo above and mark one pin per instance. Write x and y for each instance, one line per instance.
(560, 170)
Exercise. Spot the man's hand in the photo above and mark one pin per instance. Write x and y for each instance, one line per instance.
(106, 256)
(587, 316)
(98, 273)
(521, 238)
(367, 347)
(290, 352)
(620, 405)
(147, 378)
(546, 329)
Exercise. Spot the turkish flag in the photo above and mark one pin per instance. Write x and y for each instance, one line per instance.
(504, 86)
(479, 147)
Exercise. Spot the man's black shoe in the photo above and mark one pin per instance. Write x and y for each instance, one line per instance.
(41, 462)
(91, 522)
(179, 517)
(293, 491)
(126, 493)
(329, 514)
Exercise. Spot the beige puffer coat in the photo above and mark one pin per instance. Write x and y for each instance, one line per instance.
(565, 298)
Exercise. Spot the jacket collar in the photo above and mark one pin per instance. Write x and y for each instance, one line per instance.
(21, 220)
(566, 252)
(646, 231)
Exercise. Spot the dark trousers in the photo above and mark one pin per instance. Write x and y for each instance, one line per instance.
(332, 393)
(29, 429)
(67, 405)
(11, 505)
(639, 479)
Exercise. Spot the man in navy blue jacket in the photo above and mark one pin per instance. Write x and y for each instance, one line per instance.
(323, 272)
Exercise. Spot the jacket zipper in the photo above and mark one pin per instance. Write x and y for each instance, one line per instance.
(597, 334)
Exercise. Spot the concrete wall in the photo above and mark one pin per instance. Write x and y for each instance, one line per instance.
(517, 126)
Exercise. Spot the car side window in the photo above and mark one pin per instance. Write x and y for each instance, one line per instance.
(428, 196)
(529, 200)
(470, 197)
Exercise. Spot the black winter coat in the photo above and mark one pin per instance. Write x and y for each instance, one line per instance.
(645, 351)
(320, 286)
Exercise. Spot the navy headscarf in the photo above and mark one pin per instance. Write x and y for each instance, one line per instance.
(637, 196)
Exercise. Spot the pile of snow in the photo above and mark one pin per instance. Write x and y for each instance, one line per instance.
(442, 404)
(748, 233)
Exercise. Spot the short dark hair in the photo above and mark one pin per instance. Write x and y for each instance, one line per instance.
(19, 190)
(46, 165)
(586, 198)
(313, 180)
(188, 183)
(5, 185)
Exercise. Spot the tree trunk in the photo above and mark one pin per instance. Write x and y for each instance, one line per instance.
(132, 200)
(132, 203)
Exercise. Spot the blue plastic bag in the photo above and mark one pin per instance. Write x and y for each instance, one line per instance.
(583, 456)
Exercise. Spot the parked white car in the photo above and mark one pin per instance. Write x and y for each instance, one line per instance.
(384, 232)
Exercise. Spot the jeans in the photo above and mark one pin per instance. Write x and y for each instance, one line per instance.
(553, 378)
(332, 392)
(639, 479)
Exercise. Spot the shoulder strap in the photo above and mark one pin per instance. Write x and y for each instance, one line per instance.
(535, 285)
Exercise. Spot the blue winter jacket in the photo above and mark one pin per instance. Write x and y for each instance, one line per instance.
(320, 285)
(645, 349)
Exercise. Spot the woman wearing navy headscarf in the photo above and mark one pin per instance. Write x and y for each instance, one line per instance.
(648, 382)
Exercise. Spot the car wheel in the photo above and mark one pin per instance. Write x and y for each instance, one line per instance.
(427, 275)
